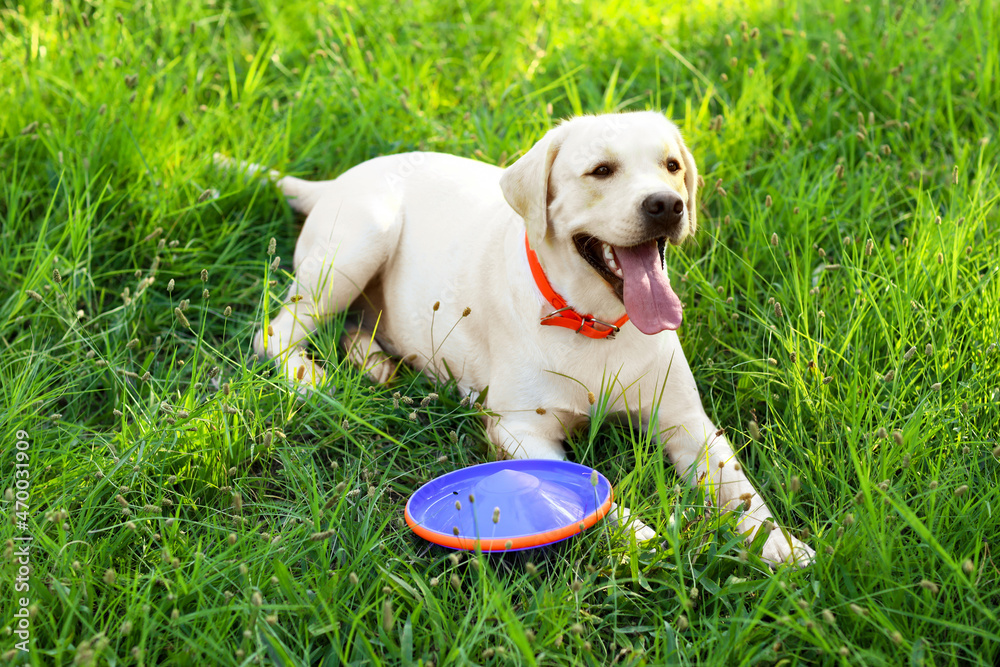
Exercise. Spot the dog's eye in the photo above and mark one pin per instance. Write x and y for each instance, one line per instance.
(601, 171)
(673, 166)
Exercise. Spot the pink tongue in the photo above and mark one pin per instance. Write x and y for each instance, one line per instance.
(649, 301)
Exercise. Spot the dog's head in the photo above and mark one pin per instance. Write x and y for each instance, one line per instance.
(601, 197)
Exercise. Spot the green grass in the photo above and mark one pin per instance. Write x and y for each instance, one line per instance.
(844, 281)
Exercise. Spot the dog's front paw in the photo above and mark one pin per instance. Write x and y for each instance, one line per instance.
(781, 547)
(622, 516)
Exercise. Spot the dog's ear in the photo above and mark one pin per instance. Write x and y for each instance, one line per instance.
(691, 184)
(525, 184)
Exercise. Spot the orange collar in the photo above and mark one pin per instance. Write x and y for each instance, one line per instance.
(564, 315)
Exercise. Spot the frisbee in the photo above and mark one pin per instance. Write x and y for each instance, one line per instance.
(509, 505)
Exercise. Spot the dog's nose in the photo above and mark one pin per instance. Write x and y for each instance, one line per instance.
(663, 209)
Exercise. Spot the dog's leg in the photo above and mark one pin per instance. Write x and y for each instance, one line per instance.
(527, 435)
(530, 435)
(284, 337)
(364, 352)
(700, 450)
(343, 245)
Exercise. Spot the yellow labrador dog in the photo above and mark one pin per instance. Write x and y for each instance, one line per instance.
(544, 281)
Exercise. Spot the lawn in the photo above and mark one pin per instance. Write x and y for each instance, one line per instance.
(843, 316)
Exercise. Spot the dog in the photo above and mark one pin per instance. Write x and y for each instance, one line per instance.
(544, 282)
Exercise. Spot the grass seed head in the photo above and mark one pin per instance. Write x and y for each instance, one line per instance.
(182, 318)
(929, 586)
(388, 620)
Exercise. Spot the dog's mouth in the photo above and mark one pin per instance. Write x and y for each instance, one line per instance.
(637, 277)
(602, 257)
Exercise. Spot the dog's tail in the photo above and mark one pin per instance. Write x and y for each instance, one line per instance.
(302, 195)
